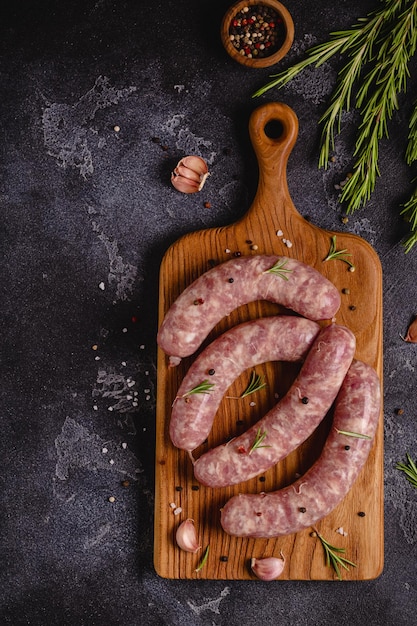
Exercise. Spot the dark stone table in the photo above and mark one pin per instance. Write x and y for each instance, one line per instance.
(98, 102)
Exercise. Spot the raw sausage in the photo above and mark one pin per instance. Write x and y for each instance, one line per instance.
(322, 488)
(278, 338)
(220, 290)
(290, 421)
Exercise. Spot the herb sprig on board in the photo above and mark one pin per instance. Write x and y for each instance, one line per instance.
(376, 53)
(333, 555)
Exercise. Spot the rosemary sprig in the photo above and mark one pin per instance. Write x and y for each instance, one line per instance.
(349, 433)
(256, 383)
(259, 438)
(376, 53)
(409, 469)
(332, 554)
(203, 387)
(203, 560)
(338, 254)
(279, 269)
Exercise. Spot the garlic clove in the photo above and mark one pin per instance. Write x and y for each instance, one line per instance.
(190, 174)
(186, 537)
(195, 163)
(185, 185)
(268, 568)
(411, 335)
(187, 173)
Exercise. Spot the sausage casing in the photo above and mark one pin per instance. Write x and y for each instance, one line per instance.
(222, 289)
(278, 338)
(315, 494)
(291, 420)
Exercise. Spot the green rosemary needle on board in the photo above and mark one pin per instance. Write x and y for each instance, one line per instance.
(338, 254)
(332, 555)
(256, 383)
(376, 52)
(409, 469)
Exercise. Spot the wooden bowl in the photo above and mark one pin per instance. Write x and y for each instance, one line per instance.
(255, 56)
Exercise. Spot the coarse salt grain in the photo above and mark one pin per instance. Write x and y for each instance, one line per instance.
(102, 286)
(110, 408)
(252, 403)
(279, 233)
(111, 461)
(95, 407)
(124, 445)
(173, 505)
(131, 383)
(142, 347)
(288, 243)
(178, 510)
(124, 363)
(124, 330)
(104, 450)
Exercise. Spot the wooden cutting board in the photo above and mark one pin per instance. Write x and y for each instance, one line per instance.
(176, 489)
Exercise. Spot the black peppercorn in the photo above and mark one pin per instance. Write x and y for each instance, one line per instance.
(304, 400)
(347, 447)
(224, 559)
(361, 514)
(302, 509)
(211, 372)
(231, 280)
(195, 488)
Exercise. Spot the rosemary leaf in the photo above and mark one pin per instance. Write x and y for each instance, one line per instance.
(349, 433)
(259, 438)
(203, 387)
(279, 269)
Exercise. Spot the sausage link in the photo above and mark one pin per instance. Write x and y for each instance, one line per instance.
(278, 338)
(314, 495)
(290, 421)
(222, 289)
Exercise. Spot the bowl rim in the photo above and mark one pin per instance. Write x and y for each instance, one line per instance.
(264, 61)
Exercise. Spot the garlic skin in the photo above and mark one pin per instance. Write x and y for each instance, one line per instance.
(268, 568)
(190, 174)
(186, 537)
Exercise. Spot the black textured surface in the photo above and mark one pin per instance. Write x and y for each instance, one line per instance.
(87, 213)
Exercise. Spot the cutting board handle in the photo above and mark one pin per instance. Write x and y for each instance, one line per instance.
(273, 130)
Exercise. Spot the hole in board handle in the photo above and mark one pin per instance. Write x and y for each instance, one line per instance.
(274, 129)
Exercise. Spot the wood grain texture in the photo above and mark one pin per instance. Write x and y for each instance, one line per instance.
(361, 310)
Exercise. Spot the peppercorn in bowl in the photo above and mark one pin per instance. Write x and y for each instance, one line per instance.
(257, 33)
